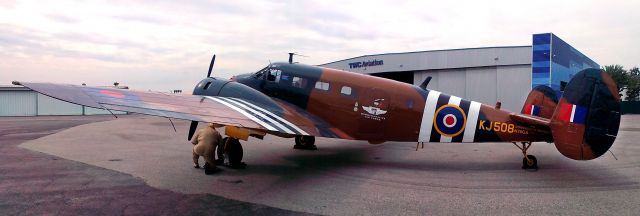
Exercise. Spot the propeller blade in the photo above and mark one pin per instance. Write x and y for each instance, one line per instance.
(192, 129)
(213, 60)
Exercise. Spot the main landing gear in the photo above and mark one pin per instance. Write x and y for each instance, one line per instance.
(305, 143)
(230, 153)
(528, 161)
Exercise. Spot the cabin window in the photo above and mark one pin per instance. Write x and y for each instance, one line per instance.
(274, 75)
(299, 82)
(346, 90)
(322, 86)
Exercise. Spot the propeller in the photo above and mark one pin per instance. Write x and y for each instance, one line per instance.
(194, 124)
(192, 129)
(213, 60)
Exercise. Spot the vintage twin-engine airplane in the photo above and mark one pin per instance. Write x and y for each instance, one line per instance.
(303, 102)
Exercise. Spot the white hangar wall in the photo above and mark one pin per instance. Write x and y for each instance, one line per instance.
(486, 75)
(21, 101)
(507, 84)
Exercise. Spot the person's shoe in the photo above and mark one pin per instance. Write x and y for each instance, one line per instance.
(212, 170)
(240, 165)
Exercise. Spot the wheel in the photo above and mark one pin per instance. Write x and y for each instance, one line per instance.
(305, 142)
(531, 163)
(234, 151)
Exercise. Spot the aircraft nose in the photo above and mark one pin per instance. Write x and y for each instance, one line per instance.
(209, 86)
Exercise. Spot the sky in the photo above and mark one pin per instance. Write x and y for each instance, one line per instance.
(166, 45)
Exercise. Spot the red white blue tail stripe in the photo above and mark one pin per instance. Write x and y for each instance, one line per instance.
(532, 110)
(573, 113)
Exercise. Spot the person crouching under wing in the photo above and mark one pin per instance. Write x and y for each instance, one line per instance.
(205, 141)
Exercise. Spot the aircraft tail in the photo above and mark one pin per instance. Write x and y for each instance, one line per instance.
(541, 102)
(586, 120)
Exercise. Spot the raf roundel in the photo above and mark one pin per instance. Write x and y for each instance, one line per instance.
(449, 120)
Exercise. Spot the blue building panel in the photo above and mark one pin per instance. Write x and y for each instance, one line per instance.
(542, 47)
(541, 60)
(555, 61)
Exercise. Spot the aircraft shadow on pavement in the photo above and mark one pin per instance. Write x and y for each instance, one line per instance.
(363, 163)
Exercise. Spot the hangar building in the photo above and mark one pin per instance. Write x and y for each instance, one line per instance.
(21, 101)
(487, 74)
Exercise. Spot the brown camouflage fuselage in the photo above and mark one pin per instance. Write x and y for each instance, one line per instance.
(378, 109)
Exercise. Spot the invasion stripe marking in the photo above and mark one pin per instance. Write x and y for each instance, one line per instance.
(464, 105)
(472, 121)
(455, 101)
(427, 116)
(295, 127)
(253, 118)
(442, 100)
(255, 112)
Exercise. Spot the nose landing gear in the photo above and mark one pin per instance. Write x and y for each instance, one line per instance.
(529, 162)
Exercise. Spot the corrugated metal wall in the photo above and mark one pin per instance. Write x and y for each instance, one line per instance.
(51, 106)
(507, 84)
(482, 85)
(514, 84)
(18, 103)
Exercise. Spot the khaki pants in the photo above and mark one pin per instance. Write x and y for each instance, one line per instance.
(207, 152)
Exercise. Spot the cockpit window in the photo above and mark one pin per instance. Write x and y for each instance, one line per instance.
(260, 73)
(274, 75)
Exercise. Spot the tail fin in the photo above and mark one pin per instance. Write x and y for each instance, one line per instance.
(585, 123)
(541, 102)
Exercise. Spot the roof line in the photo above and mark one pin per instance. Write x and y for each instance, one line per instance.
(440, 50)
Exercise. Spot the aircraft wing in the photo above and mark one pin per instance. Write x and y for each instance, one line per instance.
(222, 110)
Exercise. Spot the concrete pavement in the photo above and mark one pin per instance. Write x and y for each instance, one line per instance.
(33, 183)
(355, 178)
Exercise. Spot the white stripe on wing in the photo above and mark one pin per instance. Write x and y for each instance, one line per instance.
(253, 118)
(255, 112)
(300, 131)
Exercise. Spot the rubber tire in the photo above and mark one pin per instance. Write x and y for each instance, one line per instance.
(306, 142)
(235, 150)
(526, 165)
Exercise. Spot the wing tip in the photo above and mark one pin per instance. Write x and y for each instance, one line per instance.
(16, 83)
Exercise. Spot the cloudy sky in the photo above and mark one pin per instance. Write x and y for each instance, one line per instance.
(164, 45)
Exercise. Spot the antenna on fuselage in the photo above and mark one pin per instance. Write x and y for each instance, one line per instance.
(291, 57)
(425, 82)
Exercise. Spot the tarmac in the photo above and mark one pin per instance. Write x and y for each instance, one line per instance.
(34, 183)
(106, 158)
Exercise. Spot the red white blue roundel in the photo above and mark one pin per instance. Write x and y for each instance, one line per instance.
(449, 120)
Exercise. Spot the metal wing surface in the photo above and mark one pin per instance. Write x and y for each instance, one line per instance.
(222, 110)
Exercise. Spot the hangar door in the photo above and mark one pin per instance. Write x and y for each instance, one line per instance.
(18, 103)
